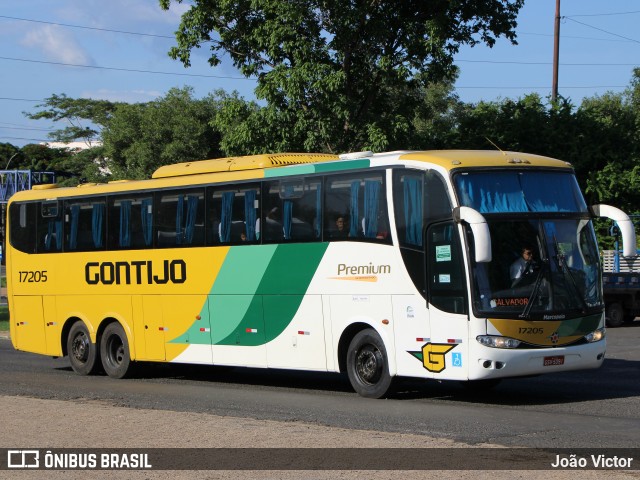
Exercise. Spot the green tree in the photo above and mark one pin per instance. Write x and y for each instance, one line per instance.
(608, 160)
(83, 120)
(9, 156)
(527, 124)
(436, 118)
(84, 117)
(141, 137)
(339, 75)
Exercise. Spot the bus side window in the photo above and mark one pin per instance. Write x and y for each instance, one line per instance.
(293, 210)
(361, 204)
(445, 268)
(130, 222)
(180, 218)
(233, 215)
(23, 225)
(49, 226)
(85, 224)
(408, 192)
(409, 207)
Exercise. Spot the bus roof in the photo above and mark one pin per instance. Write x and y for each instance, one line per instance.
(452, 159)
(251, 162)
(252, 167)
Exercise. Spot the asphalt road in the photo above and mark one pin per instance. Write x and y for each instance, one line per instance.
(590, 409)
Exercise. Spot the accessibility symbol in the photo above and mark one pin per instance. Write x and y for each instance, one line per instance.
(456, 359)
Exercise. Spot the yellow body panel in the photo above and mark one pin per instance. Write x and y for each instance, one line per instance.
(251, 162)
(451, 159)
(151, 314)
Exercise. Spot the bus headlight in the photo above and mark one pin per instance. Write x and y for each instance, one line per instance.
(596, 336)
(498, 342)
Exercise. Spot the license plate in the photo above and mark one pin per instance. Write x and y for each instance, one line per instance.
(555, 360)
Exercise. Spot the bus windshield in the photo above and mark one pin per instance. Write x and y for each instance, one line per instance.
(518, 191)
(542, 269)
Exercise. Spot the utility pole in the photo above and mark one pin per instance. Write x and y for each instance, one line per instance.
(556, 53)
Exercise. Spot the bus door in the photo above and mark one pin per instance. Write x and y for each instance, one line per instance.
(448, 304)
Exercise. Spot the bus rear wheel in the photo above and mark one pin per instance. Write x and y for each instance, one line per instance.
(83, 355)
(367, 365)
(114, 351)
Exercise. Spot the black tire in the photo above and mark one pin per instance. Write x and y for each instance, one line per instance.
(114, 351)
(614, 315)
(83, 355)
(368, 366)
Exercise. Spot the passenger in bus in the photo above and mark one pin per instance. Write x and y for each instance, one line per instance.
(340, 230)
(523, 266)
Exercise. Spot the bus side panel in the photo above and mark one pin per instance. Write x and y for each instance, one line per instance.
(138, 326)
(449, 345)
(185, 326)
(367, 309)
(28, 318)
(152, 335)
(412, 329)
(301, 344)
(330, 348)
(53, 328)
(237, 330)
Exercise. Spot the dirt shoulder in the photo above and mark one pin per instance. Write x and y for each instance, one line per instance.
(39, 423)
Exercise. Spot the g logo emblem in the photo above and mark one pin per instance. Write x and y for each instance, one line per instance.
(432, 356)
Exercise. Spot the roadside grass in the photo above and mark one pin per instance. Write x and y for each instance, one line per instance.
(4, 318)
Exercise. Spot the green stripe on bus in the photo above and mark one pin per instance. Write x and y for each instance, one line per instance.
(242, 270)
(579, 326)
(344, 165)
(317, 168)
(281, 291)
(256, 294)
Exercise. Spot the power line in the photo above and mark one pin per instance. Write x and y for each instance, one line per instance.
(244, 78)
(23, 138)
(25, 128)
(575, 37)
(602, 30)
(122, 69)
(19, 125)
(20, 99)
(514, 62)
(543, 88)
(605, 14)
(87, 28)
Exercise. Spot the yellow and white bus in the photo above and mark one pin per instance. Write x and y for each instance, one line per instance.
(377, 265)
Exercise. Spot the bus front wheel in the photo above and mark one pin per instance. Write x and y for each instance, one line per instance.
(367, 365)
(83, 355)
(114, 351)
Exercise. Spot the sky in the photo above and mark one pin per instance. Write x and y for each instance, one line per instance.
(117, 50)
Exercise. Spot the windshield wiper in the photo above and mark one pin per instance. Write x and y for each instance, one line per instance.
(534, 292)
